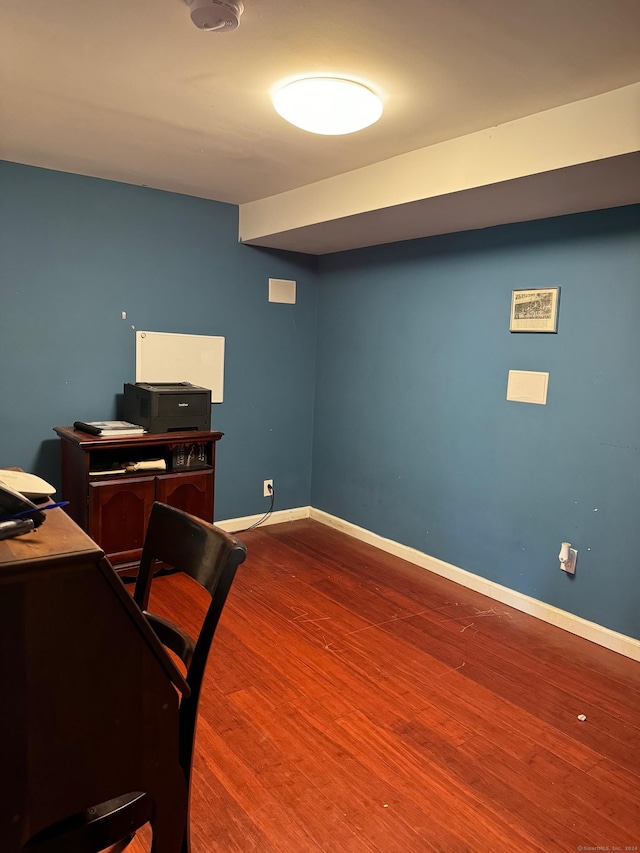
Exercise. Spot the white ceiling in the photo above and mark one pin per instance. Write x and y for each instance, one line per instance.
(130, 90)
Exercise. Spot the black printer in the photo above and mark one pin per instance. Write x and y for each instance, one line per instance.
(167, 406)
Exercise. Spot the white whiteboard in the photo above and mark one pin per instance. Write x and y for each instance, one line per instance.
(166, 357)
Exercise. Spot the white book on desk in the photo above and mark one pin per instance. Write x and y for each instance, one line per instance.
(109, 428)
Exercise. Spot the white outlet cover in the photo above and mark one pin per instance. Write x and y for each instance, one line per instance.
(282, 290)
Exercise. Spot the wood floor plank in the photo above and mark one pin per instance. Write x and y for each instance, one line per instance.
(425, 767)
(586, 684)
(362, 796)
(568, 788)
(355, 703)
(513, 681)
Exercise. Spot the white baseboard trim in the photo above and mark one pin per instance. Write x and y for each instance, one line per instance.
(235, 525)
(627, 646)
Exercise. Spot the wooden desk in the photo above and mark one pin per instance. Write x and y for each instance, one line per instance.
(88, 706)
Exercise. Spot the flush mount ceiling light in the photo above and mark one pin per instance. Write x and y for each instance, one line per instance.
(327, 105)
(219, 16)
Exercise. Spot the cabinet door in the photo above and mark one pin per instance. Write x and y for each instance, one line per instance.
(118, 514)
(191, 492)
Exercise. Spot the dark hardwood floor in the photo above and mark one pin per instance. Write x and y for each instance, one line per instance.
(357, 704)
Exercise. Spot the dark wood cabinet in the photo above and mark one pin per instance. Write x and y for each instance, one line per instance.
(113, 507)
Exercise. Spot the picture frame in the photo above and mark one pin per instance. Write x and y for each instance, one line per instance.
(535, 309)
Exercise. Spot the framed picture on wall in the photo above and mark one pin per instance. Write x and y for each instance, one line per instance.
(535, 310)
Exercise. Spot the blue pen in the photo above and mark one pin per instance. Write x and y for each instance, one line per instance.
(35, 509)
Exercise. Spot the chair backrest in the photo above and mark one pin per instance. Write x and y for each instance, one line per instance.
(210, 556)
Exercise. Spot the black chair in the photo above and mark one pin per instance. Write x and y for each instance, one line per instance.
(175, 542)
(210, 556)
(111, 823)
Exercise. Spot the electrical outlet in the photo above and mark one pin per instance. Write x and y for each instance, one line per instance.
(568, 557)
(267, 488)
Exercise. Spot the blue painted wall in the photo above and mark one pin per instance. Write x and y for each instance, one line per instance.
(415, 440)
(75, 252)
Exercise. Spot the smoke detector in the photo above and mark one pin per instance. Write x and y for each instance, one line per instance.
(220, 16)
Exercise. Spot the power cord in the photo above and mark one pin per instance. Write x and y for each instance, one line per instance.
(265, 516)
